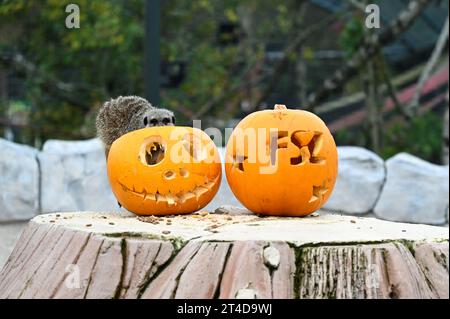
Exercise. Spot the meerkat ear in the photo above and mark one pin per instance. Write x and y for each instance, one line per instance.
(173, 120)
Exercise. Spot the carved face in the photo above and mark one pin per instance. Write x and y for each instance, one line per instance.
(281, 162)
(164, 170)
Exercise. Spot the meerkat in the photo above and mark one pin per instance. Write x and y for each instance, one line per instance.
(128, 113)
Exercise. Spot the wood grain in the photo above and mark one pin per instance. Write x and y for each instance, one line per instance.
(78, 256)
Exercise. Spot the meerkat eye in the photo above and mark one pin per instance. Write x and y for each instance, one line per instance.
(154, 122)
(145, 120)
(166, 120)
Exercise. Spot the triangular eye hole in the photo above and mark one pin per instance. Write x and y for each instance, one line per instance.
(238, 161)
(152, 150)
(194, 146)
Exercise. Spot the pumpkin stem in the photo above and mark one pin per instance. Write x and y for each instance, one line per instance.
(280, 107)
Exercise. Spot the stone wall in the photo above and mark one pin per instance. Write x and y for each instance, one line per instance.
(19, 182)
(403, 188)
(74, 177)
(71, 176)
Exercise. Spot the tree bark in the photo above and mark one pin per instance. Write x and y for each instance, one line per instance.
(372, 107)
(229, 254)
(300, 62)
(391, 90)
(302, 79)
(372, 100)
(8, 132)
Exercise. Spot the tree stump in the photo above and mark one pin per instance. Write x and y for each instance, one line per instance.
(228, 254)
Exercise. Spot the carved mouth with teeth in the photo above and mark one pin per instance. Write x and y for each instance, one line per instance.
(164, 170)
(173, 199)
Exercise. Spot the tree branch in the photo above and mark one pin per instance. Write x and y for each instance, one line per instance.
(65, 91)
(234, 89)
(367, 50)
(392, 92)
(437, 51)
(294, 46)
(279, 69)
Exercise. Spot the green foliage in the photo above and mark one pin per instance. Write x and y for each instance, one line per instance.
(353, 136)
(421, 137)
(104, 58)
(190, 34)
(352, 36)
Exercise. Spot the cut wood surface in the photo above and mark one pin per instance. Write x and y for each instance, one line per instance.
(229, 254)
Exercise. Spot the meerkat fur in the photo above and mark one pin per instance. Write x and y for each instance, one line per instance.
(128, 113)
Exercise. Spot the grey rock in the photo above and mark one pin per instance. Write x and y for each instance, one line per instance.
(361, 175)
(271, 257)
(245, 293)
(232, 210)
(72, 147)
(415, 191)
(74, 177)
(19, 182)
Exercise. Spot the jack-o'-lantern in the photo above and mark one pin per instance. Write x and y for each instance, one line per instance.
(164, 170)
(281, 162)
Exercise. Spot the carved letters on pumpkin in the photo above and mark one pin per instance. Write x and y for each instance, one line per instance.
(309, 144)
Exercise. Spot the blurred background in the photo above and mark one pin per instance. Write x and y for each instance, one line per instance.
(384, 89)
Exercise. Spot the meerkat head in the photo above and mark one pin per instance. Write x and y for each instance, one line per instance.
(158, 117)
(128, 113)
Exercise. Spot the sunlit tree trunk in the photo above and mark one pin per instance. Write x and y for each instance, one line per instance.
(301, 69)
(4, 103)
(300, 63)
(2, 98)
(373, 110)
(434, 58)
(373, 99)
(104, 256)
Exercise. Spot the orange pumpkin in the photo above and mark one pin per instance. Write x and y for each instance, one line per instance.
(164, 170)
(281, 162)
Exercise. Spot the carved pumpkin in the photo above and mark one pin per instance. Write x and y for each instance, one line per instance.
(164, 170)
(281, 162)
